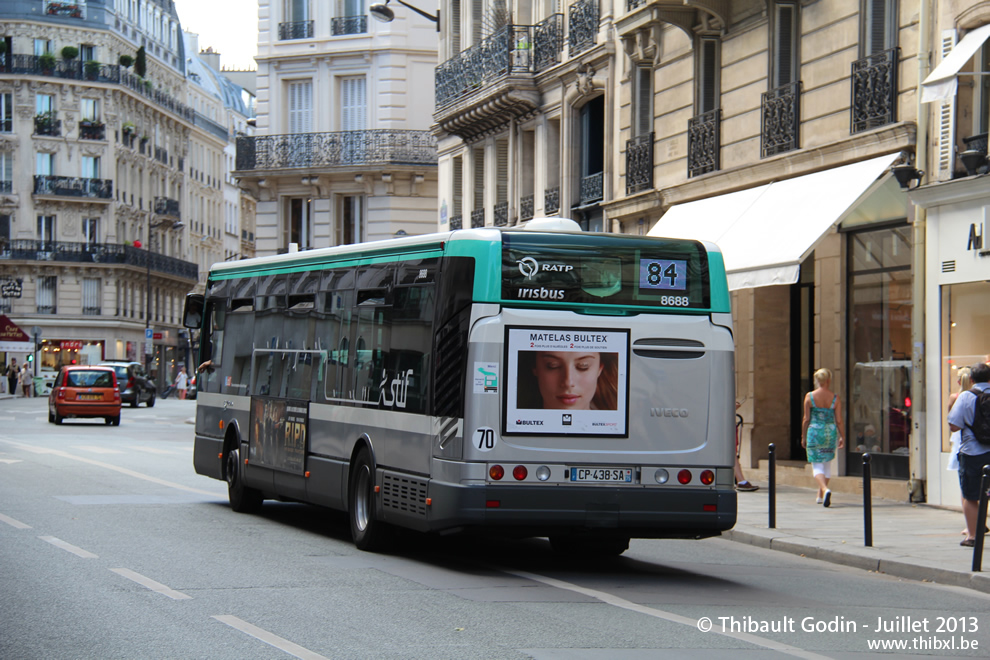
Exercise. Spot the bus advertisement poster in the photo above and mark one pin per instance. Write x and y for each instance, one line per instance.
(279, 433)
(564, 381)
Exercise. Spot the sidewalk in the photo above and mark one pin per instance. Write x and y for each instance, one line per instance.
(914, 541)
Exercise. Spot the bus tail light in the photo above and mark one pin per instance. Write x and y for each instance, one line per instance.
(519, 472)
(709, 508)
(493, 504)
(496, 472)
(684, 477)
(707, 477)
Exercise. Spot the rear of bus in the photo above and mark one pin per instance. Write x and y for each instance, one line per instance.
(647, 449)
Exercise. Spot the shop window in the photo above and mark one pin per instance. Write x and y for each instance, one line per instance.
(964, 336)
(880, 308)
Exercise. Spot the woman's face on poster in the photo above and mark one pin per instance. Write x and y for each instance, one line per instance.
(567, 379)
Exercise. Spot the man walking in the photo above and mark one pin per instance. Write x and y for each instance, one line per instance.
(12, 373)
(974, 447)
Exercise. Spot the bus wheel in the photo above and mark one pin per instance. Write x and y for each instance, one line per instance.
(243, 499)
(368, 533)
(582, 546)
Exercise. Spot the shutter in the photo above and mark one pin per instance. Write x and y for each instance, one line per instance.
(877, 32)
(709, 75)
(644, 99)
(502, 163)
(458, 186)
(455, 27)
(354, 107)
(300, 107)
(477, 17)
(946, 119)
(479, 178)
(784, 55)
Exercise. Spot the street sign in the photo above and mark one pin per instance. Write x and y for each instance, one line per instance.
(149, 334)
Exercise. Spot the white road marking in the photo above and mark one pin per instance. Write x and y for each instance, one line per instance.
(115, 468)
(667, 616)
(77, 551)
(148, 583)
(10, 461)
(160, 452)
(268, 638)
(17, 524)
(97, 450)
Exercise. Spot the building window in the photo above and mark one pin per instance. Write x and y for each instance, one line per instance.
(298, 226)
(642, 120)
(46, 231)
(592, 162)
(87, 52)
(42, 46)
(707, 72)
(91, 231)
(353, 104)
(44, 164)
(90, 167)
(784, 62)
(963, 331)
(90, 110)
(297, 11)
(6, 113)
(6, 172)
(878, 26)
(880, 308)
(91, 296)
(45, 294)
(349, 224)
(300, 107)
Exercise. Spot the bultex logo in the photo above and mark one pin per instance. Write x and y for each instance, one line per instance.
(566, 420)
(529, 267)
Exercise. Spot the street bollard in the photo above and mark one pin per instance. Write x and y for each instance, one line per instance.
(772, 487)
(867, 503)
(981, 521)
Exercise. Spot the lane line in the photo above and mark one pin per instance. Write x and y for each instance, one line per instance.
(616, 601)
(115, 468)
(160, 452)
(97, 450)
(148, 583)
(77, 551)
(268, 638)
(17, 524)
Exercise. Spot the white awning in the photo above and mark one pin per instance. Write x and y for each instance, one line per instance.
(17, 346)
(941, 83)
(766, 232)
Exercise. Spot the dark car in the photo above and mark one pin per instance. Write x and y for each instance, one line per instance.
(135, 386)
(83, 391)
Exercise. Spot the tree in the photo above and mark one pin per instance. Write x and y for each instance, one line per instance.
(141, 63)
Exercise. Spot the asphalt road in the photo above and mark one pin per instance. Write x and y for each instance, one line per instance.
(112, 547)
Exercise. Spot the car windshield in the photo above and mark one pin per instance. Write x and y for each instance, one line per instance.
(89, 379)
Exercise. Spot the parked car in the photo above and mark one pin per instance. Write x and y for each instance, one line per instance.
(85, 391)
(135, 386)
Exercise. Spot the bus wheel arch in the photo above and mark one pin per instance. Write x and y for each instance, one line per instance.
(368, 532)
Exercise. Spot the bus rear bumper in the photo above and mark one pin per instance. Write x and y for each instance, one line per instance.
(544, 511)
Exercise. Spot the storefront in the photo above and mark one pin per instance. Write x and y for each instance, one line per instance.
(53, 354)
(957, 300)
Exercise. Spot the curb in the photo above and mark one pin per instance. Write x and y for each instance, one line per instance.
(869, 559)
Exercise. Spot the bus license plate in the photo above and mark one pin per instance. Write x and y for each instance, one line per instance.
(602, 474)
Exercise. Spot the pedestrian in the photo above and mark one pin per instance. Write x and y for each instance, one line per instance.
(26, 380)
(821, 431)
(182, 382)
(12, 374)
(741, 482)
(974, 450)
(965, 383)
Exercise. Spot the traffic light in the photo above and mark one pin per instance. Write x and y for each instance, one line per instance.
(30, 357)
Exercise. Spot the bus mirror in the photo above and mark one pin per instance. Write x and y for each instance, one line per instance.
(192, 316)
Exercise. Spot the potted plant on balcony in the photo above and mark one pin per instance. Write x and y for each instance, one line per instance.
(47, 63)
(43, 122)
(125, 61)
(127, 128)
(70, 53)
(92, 69)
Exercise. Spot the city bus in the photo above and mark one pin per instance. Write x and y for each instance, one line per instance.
(526, 382)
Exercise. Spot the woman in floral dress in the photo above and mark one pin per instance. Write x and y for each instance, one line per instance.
(821, 431)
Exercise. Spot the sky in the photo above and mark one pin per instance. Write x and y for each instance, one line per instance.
(229, 26)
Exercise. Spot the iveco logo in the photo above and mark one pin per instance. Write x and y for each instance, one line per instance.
(528, 266)
(668, 412)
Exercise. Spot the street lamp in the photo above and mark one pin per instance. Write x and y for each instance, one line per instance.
(384, 13)
(147, 295)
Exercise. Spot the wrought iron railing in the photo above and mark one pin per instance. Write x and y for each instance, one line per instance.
(161, 155)
(526, 207)
(510, 50)
(6, 125)
(551, 200)
(46, 124)
(456, 222)
(167, 206)
(477, 218)
(704, 142)
(69, 9)
(107, 253)
(781, 119)
(592, 188)
(211, 126)
(45, 309)
(501, 214)
(548, 42)
(92, 131)
(874, 90)
(342, 25)
(73, 186)
(582, 26)
(92, 311)
(376, 146)
(639, 164)
(634, 4)
(295, 30)
(6, 187)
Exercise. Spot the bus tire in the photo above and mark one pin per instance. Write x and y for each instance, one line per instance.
(585, 547)
(243, 499)
(367, 532)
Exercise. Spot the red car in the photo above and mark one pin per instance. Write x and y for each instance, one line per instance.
(83, 391)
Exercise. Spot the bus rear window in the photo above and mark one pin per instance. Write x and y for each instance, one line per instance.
(610, 270)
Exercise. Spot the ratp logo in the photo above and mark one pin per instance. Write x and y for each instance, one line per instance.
(528, 266)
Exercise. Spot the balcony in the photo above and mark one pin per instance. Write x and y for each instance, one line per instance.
(592, 188)
(874, 91)
(639, 164)
(456, 222)
(501, 214)
(107, 253)
(526, 208)
(295, 30)
(6, 187)
(704, 142)
(92, 130)
(67, 186)
(340, 149)
(551, 200)
(46, 124)
(582, 26)
(781, 120)
(477, 218)
(167, 207)
(343, 25)
(66, 9)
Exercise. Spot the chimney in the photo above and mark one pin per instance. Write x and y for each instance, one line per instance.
(211, 57)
